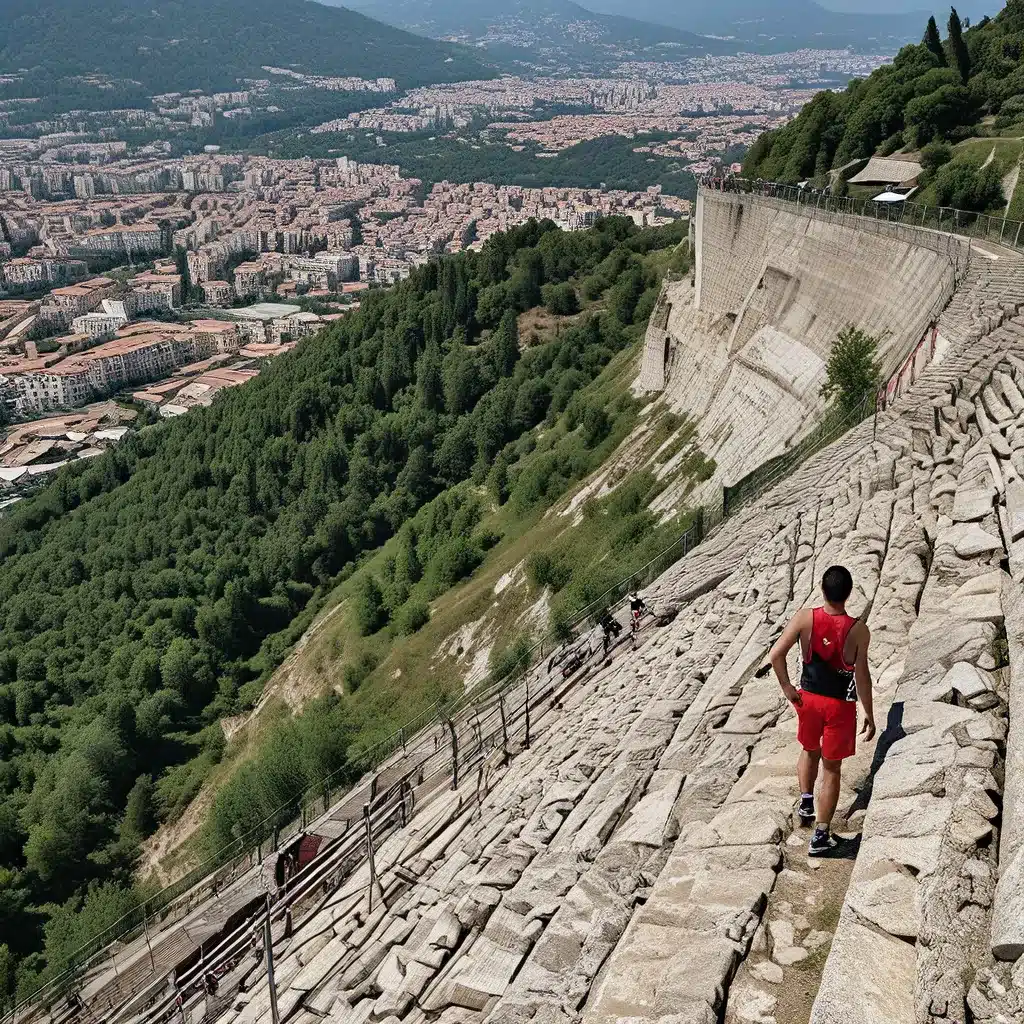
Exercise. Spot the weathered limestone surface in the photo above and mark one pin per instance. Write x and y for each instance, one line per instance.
(1008, 907)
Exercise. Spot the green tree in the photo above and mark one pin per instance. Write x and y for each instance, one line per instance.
(560, 299)
(853, 375)
(933, 41)
(429, 381)
(371, 615)
(139, 813)
(961, 185)
(622, 301)
(936, 114)
(461, 378)
(506, 345)
(413, 617)
(935, 154)
(6, 978)
(961, 57)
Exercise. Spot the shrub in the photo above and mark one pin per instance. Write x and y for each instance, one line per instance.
(645, 307)
(560, 299)
(891, 144)
(413, 617)
(547, 569)
(960, 185)
(935, 154)
(454, 561)
(511, 661)
(356, 672)
(853, 373)
(596, 425)
(371, 615)
(633, 530)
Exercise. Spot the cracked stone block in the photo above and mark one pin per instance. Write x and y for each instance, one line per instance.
(888, 898)
(975, 541)
(869, 978)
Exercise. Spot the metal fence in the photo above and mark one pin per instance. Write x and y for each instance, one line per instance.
(908, 214)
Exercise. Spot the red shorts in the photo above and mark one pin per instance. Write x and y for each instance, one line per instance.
(828, 725)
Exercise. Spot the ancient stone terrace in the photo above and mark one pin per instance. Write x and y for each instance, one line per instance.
(639, 860)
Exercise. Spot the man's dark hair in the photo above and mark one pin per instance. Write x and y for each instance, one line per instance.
(837, 584)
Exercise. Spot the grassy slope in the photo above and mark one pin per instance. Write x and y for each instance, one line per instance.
(411, 672)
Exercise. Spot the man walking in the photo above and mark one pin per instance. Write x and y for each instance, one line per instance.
(835, 675)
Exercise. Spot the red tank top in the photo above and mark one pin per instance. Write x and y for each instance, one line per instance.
(825, 669)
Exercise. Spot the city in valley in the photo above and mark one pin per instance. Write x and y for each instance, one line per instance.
(131, 267)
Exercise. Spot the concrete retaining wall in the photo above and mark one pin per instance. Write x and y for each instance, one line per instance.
(774, 283)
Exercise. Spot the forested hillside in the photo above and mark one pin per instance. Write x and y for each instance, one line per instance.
(152, 592)
(936, 92)
(213, 44)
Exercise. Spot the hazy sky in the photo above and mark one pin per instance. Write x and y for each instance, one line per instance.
(973, 8)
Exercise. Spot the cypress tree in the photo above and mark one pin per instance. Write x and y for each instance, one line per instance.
(934, 42)
(957, 46)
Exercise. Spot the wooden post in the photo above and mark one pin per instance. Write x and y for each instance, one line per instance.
(504, 727)
(149, 945)
(455, 754)
(268, 943)
(526, 741)
(369, 851)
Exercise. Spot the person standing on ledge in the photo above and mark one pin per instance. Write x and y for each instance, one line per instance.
(835, 675)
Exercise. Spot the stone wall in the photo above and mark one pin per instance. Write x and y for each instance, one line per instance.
(749, 340)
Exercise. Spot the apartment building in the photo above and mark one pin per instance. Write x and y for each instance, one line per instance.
(218, 293)
(28, 272)
(56, 387)
(215, 337)
(133, 239)
(103, 322)
(249, 280)
(64, 304)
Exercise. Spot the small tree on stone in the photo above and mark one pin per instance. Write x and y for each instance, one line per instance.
(853, 373)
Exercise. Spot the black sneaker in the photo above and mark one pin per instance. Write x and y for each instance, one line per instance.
(805, 810)
(822, 843)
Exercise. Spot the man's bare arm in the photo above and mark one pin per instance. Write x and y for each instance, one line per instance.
(862, 676)
(785, 643)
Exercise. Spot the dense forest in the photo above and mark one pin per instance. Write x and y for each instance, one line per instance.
(214, 44)
(934, 93)
(151, 592)
(608, 161)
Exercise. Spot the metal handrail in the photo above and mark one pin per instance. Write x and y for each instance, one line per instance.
(946, 220)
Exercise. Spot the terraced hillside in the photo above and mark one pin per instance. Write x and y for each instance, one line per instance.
(619, 843)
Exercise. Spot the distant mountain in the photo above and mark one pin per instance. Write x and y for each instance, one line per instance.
(211, 44)
(540, 25)
(784, 22)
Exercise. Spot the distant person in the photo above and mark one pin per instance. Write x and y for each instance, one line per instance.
(835, 674)
(610, 627)
(637, 605)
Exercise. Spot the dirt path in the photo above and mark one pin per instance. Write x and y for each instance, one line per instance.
(779, 979)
